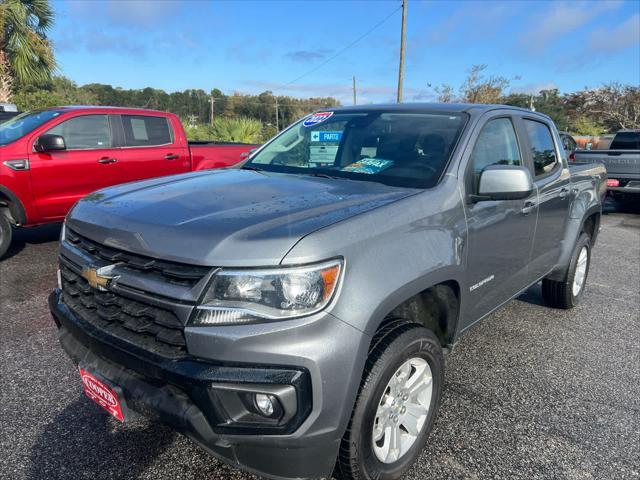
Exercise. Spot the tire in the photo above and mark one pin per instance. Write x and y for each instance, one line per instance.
(357, 459)
(6, 232)
(562, 294)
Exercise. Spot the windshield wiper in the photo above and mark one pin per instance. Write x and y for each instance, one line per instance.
(251, 167)
(322, 175)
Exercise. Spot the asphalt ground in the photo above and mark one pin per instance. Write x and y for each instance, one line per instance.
(530, 392)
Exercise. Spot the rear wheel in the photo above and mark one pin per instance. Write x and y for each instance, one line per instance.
(568, 292)
(396, 406)
(6, 232)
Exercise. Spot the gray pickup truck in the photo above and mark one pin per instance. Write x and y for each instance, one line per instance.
(290, 315)
(622, 161)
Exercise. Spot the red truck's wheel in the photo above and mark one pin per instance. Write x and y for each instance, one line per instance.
(6, 232)
(396, 406)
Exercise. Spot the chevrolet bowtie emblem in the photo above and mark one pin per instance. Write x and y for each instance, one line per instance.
(99, 278)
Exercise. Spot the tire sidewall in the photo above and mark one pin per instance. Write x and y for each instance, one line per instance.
(426, 349)
(6, 233)
(583, 241)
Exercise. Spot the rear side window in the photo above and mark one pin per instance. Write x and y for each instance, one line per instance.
(497, 144)
(568, 143)
(626, 141)
(85, 132)
(543, 150)
(145, 131)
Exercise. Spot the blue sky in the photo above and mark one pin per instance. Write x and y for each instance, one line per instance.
(249, 47)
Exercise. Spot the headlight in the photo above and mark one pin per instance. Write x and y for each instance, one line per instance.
(246, 296)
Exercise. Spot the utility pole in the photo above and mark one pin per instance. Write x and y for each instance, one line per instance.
(277, 116)
(354, 90)
(401, 69)
(212, 112)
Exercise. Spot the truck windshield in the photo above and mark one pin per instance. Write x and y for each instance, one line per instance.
(19, 126)
(402, 149)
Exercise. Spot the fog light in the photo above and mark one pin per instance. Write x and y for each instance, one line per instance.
(265, 404)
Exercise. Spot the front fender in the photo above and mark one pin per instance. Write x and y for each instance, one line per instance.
(391, 253)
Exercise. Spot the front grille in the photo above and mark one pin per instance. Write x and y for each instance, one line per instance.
(172, 272)
(151, 328)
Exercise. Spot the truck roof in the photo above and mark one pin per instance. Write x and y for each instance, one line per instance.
(475, 108)
(69, 108)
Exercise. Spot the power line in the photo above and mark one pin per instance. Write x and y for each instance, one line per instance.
(340, 52)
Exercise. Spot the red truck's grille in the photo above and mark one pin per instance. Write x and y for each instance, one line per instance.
(172, 272)
(154, 329)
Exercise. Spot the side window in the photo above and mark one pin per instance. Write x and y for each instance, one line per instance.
(144, 131)
(497, 144)
(85, 132)
(543, 150)
(568, 143)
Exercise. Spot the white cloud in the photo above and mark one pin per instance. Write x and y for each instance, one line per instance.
(534, 88)
(612, 40)
(561, 19)
(138, 13)
(343, 92)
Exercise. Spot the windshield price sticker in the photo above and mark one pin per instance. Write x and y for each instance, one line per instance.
(316, 118)
(319, 136)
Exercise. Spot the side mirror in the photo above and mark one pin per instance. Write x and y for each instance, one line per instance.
(504, 182)
(249, 154)
(49, 143)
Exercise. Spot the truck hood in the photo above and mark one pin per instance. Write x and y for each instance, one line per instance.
(223, 217)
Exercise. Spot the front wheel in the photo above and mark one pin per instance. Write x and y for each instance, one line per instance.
(396, 406)
(568, 292)
(6, 232)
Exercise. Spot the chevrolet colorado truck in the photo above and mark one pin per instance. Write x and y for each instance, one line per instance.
(51, 158)
(290, 315)
(622, 161)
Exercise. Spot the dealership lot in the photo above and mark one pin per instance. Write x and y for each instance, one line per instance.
(530, 392)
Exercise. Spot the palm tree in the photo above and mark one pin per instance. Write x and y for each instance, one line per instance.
(26, 56)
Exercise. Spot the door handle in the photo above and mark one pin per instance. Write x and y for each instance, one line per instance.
(528, 208)
(104, 160)
(171, 156)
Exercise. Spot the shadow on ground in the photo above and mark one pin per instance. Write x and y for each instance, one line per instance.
(82, 443)
(32, 236)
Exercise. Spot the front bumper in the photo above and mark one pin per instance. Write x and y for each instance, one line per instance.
(181, 393)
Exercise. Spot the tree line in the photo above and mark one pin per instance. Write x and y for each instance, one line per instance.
(590, 111)
(193, 105)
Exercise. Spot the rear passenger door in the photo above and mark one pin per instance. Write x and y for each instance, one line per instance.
(500, 232)
(553, 181)
(149, 148)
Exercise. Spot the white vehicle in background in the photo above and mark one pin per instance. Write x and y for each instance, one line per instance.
(7, 110)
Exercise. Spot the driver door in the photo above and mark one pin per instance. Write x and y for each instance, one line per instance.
(60, 178)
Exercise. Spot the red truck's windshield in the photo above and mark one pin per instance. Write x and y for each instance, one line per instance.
(19, 126)
(403, 149)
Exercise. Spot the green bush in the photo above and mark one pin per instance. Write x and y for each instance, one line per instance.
(242, 129)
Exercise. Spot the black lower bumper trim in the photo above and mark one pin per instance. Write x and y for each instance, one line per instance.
(177, 393)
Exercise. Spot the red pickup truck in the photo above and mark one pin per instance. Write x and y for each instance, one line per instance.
(51, 158)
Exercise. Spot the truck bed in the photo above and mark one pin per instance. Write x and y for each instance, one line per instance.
(584, 174)
(619, 163)
(207, 155)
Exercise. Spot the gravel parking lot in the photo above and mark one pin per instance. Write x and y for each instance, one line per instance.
(530, 392)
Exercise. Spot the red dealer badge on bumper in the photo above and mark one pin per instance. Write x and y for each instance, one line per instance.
(101, 393)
